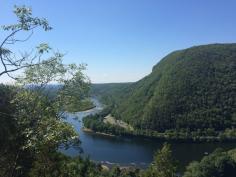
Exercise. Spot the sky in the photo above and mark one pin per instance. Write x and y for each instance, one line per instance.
(121, 40)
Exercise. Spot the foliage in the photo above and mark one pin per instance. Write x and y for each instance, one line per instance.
(75, 90)
(10, 60)
(190, 89)
(96, 123)
(64, 166)
(108, 93)
(34, 126)
(60, 165)
(77, 106)
(11, 157)
(163, 165)
(217, 164)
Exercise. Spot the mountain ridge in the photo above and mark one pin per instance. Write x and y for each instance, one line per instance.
(194, 88)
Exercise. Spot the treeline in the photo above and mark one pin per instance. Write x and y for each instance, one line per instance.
(192, 90)
(77, 103)
(219, 163)
(95, 123)
(32, 126)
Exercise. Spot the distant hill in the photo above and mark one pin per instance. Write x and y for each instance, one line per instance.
(192, 89)
(110, 92)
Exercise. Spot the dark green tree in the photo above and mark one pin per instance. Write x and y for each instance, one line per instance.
(217, 164)
(34, 126)
(163, 164)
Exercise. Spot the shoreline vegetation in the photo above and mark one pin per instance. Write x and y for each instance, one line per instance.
(88, 130)
(105, 124)
(99, 125)
(189, 95)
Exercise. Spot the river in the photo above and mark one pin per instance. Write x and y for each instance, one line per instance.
(133, 151)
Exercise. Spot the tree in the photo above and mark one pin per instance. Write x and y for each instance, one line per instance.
(9, 138)
(10, 60)
(217, 164)
(163, 164)
(37, 118)
(76, 89)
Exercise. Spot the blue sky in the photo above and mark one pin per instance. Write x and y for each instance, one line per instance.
(121, 40)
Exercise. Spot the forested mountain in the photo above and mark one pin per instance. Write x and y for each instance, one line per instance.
(110, 92)
(190, 89)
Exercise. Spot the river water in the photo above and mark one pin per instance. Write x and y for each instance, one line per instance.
(132, 151)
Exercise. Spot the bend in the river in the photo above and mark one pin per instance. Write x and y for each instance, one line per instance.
(132, 151)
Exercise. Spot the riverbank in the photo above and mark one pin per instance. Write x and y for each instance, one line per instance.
(109, 119)
(108, 126)
(109, 165)
(87, 130)
(131, 151)
(163, 137)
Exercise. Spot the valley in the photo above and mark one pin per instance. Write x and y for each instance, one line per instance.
(136, 152)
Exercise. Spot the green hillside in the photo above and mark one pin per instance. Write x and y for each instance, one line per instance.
(103, 90)
(193, 88)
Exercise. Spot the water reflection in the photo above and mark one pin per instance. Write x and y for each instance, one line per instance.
(132, 151)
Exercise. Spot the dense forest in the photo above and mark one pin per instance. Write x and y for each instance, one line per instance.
(33, 126)
(192, 90)
(109, 93)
